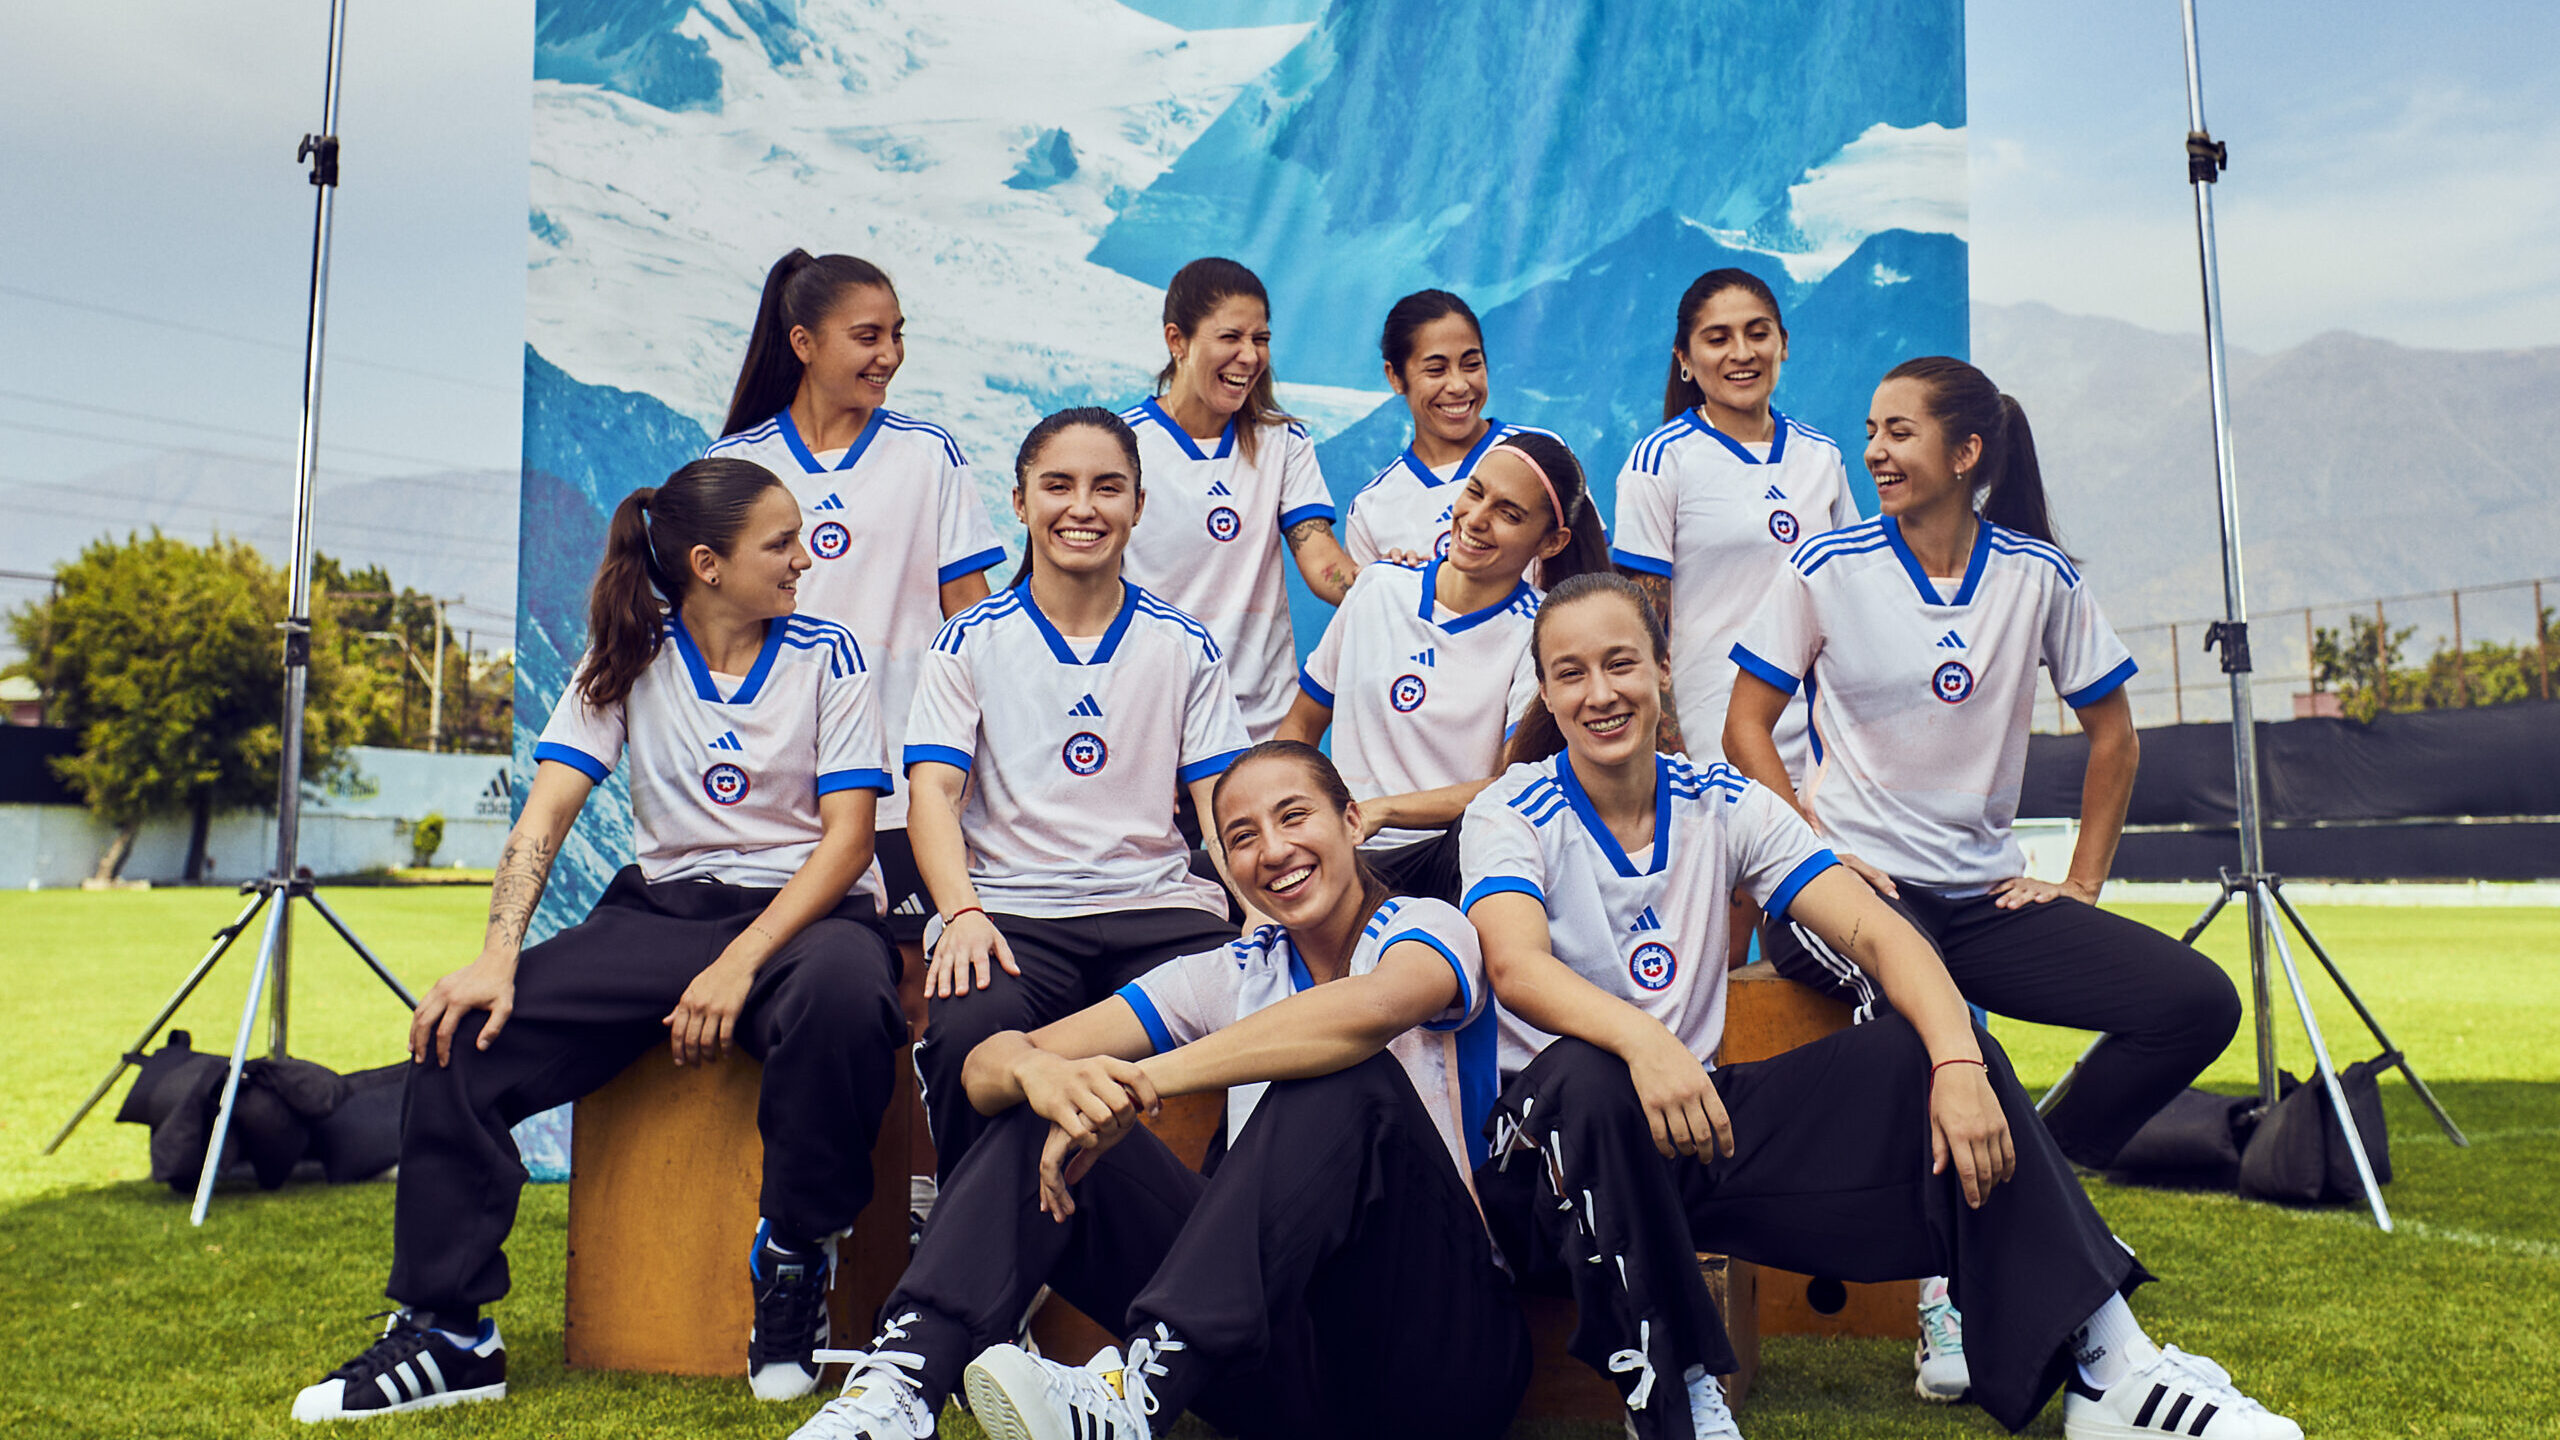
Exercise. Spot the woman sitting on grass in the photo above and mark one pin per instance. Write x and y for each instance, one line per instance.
(750, 922)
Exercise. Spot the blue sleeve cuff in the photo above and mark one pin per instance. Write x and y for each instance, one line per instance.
(1203, 769)
(1157, 1034)
(1502, 885)
(1305, 512)
(1315, 692)
(1466, 995)
(2100, 688)
(1785, 682)
(983, 560)
(835, 780)
(938, 754)
(573, 757)
(1785, 895)
(1644, 564)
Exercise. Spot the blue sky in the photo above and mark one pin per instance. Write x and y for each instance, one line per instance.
(2391, 175)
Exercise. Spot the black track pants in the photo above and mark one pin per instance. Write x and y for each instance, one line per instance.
(1066, 966)
(822, 1016)
(1829, 1176)
(2167, 1011)
(1332, 1279)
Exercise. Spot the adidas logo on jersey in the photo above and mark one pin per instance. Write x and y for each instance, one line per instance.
(1447, 513)
(830, 503)
(1774, 493)
(1644, 922)
(1087, 707)
(1220, 488)
(728, 741)
(1951, 641)
(1426, 657)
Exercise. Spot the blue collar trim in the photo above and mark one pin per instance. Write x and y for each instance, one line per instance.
(1466, 463)
(1190, 444)
(1742, 452)
(1575, 795)
(704, 684)
(1110, 638)
(1920, 577)
(1473, 618)
(809, 462)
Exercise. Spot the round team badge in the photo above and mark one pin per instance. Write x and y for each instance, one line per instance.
(1782, 527)
(1952, 683)
(725, 783)
(1084, 753)
(1441, 547)
(1406, 694)
(1224, 525)
(1653, 965)
(830, 541)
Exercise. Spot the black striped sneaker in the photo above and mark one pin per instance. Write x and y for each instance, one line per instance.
(412, 1367)
(2169, 1392)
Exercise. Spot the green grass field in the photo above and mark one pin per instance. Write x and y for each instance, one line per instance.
(118, 1319)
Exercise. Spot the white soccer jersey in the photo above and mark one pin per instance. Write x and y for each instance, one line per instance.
(1409, 505)
(1923, 689)
(1450, 1057)
(1648, 928)
(1210, 545)
(887, 520)
(1421, 696)
(1076, 750)
(726, 770)
(1717, 518)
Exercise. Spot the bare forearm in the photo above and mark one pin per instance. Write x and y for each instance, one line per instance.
(942, 853)
(992, 1075)
(2106, 793)
(1752, 750)
(817, 887)
(1315, 1032)
(1426, 809)
(524, 872)
(1327, 567)
(1548, 994)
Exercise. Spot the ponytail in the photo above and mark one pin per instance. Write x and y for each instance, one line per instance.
(2007, 483)
(1682, 392)
(1197, 289)
(1588, 549)
(1538, 736)
(798, 291)
(647, 565)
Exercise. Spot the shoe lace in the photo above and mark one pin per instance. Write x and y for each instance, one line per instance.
(402, 1337)
(1639, 1359)
(879, 1383)
(1941, 1328)
(1142, 1363)
(2208, 1378)
(1710, 1418)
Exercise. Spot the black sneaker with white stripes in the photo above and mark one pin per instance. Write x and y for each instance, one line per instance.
(791, 1316)
(2169, 1392)
(412, 1367)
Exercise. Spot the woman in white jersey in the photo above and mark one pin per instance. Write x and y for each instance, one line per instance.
(1233, 477)
(1054, 725)
(1597, 874)
(1710, 504)
(1332, 1278)
(1434, 354)
(1421, 673)
(750, 922)
(894, 521)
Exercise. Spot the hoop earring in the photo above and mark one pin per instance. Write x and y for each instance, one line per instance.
(1684, 374)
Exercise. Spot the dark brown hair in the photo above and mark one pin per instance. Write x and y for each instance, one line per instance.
(1588, 550)
(798, 291)
(1679, 392)
(645, 570)
(1198, 289)
(2008, 484)
(1538, 736)
(1407, 316)
(1106, 421)
(1328, 782)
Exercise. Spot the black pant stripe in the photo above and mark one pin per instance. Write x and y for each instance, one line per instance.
(2142, 1418)
(2169, 1422)
(2204, 1417)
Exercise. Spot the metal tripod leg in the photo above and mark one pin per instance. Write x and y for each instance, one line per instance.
(222, 939)
(367, 956)
(2328, 1072)
(267, 943)
(2426, 1097)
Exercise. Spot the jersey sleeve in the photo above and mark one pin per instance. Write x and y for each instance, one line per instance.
(2089, 662)
(1782, 637)
(1359, 537)
(1498, 850)
(942, 725)
(1438, 925)
(1645, 513)
(1303, 495)
(1190, 995)
(1777, 852)
(1524, 688)
(1213, 732)
(853, 745)
(579, 735)
(966, 542)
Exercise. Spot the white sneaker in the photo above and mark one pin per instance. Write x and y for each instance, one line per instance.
(2169, 1392)
(1017, 1395)
(880, 1400)
(1710, 1418)
(1941, 1377)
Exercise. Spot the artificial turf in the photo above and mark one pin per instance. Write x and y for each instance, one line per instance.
(117, 1318)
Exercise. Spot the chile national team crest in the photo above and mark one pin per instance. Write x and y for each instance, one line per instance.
(726, 784)
(1953, 682)
(1406, 694)
(1782, 527)
(1225, 524)
(1084, 753)
(830, 541)
(1440, 547)
(1653, 965)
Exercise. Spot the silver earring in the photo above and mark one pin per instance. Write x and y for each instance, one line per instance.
(1684, 372)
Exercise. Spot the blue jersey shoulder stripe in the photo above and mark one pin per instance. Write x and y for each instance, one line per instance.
(1860, 530)
(1861, 539)
(1376, 480)
(1386, 912)
(891, 419)
(995, 607)
(765, 431)
(807, 632)
(1148, 604)
(2010, 542)
(1810, 433)
(1649, 450)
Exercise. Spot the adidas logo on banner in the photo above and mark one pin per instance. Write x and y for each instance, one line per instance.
(1644, 922)
(1087, 707)
(1774, 493)
(1424, 657)
(830, 503)
(1220, 488)
(912, 905)
(728, 741)
(1951, 641)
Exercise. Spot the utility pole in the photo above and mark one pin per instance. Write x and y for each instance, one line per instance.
(435, 692)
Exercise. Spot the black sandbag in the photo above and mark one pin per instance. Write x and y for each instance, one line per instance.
(2299, 1155)
(361, 1138)
(178, 1094)
(2194, 1143)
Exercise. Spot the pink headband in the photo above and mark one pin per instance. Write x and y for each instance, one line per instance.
(1540, 471)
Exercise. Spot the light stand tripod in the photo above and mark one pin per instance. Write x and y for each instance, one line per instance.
(281, 886)
(2261, 890)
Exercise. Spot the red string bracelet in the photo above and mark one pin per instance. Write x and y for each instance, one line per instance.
(954, 917)
(1943, 1064)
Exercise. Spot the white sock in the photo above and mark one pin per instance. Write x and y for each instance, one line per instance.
(2104, 1344)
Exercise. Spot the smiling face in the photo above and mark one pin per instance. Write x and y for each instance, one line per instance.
(856, 349)
(1914, 462)
(1601, 679)
(1077, 502)
(1733, 350)
(1503, 519)
(1294, 855)
(1220, 360)
(759, 578)
(1443, 380)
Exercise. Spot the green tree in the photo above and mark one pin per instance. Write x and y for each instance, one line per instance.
(2360, 666)
(2363, 666)
(167, 657)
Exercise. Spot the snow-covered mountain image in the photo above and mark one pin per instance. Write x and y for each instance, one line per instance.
(1031, 172)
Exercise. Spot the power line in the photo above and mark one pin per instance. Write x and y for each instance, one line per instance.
(159, 445)
(265, 344)
(121, 413)
(493, 548)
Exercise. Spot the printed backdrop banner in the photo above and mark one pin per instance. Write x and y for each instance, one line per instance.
(1032, 172)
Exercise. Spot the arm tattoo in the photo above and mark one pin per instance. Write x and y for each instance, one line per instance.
(1305, 530)
(524, 871)
(1666, 734)
(1849, 945)
(1657, 589)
